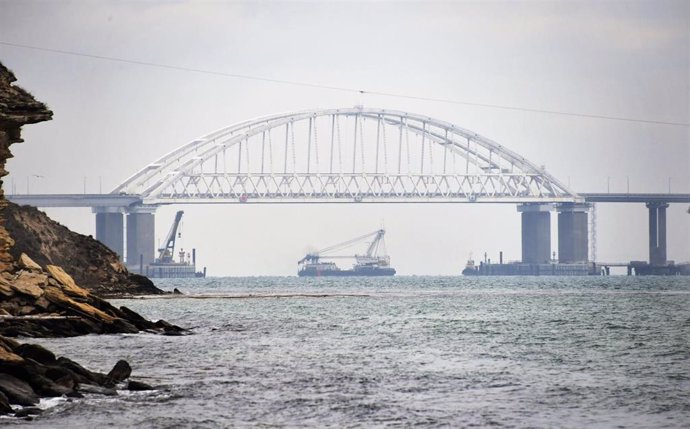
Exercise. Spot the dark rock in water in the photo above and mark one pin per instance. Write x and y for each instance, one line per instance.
(47, 387)
(135, 318)
(120, 372)
(25, 412)
(62, 376)
(168, 328)
(83, 374)
(36, 352)
(176, 291)
(18, 391)
(138, 385)
(122, 326)
(4, 404)
(145, 284)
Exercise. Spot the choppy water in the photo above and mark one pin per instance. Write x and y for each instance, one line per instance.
(417, 351)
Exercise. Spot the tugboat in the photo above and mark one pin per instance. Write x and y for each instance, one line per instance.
(470, 268)
(369, 264)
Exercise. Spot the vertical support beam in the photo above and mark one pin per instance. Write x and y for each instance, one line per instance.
(573, 234)
(110, 228)
(536, 233)
(657, 233)
(141, 235)
(661, 237)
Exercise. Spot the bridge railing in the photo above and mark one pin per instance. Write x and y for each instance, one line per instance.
(224, 188)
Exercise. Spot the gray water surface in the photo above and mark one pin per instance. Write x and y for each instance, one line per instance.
(404, 351)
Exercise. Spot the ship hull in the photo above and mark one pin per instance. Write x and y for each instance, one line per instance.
(361, 272)
(172, 271)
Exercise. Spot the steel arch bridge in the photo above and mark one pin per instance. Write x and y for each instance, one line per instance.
(339, 155)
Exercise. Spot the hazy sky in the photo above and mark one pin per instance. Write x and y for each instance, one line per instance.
(623, 59)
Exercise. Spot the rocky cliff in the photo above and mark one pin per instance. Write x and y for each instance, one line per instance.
(17, 108)
(92, 264)
(39, 297)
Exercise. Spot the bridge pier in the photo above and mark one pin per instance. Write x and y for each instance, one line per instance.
(657, 233)
(110, 228)
(573, 240)
(141, 229)
(536, 232)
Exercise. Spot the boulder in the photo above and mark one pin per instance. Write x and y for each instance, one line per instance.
(57, 297)
(46, 387)
(5, 287)
(67, 281)
(36, 352)
(5, 407)
(120, 372)
(83, 374)
(17, 391)
(27, 263)
(138, 386)
(10, 357)
(64, 377)
(30, 283)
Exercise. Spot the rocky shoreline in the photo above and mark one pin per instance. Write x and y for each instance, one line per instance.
(29, 372)
(51, 283)
(92, 265)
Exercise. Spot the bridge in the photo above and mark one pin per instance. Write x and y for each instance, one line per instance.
(358, 155)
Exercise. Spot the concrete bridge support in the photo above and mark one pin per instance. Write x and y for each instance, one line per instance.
(536, 233)
(141, 235)
(573, 237)
(110, 228)
(657, 233)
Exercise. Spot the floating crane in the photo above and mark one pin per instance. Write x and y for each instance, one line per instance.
(368, 264)
(165, 265)
(167, 252)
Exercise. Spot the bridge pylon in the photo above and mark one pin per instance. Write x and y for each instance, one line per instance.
(573, 233)
(140, 222)
(141, 230)
(110, 228)
(657, 233)
(536, 232)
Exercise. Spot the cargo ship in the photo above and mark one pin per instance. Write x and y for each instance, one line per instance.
(370, 264)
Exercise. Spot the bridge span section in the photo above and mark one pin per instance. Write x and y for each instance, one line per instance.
(355, 155)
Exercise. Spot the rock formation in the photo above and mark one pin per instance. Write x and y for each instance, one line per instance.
(29, 372)
(92, 264)
(39, 298)
(17, 107)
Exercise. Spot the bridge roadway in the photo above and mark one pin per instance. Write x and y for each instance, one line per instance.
(97, 201)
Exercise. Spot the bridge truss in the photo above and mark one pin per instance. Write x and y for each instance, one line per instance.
(352, 154)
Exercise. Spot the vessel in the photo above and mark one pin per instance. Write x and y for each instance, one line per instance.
(369, 264)
(470, 268)
(165, 265)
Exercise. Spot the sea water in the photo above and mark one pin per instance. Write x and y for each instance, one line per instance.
(402, 351)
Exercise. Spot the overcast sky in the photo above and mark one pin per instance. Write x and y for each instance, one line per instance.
(621, 59)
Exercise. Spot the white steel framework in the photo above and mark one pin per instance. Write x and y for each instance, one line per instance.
(336, 155)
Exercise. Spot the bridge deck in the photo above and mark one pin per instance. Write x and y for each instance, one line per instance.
(124, 201)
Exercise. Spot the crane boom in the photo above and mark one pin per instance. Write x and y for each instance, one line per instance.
(165, 253)
(378, 236)
(375, 244)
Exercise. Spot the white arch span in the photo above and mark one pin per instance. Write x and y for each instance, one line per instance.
(350, 154)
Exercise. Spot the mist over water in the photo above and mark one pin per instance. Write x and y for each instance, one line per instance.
(402, 351)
